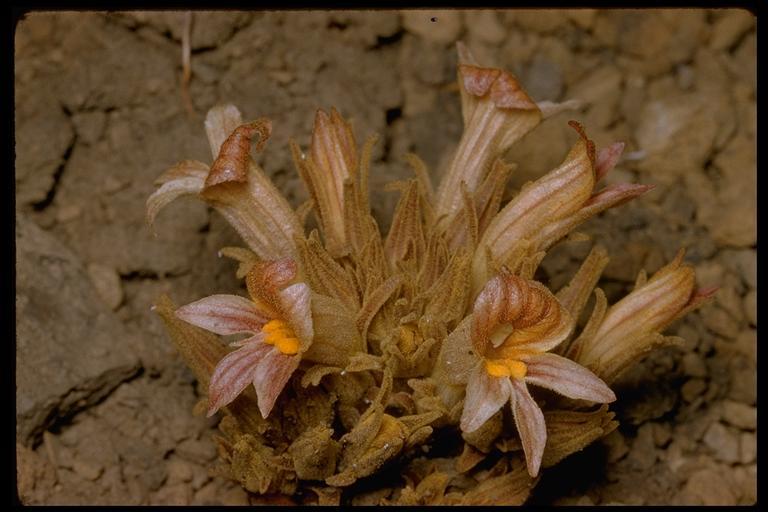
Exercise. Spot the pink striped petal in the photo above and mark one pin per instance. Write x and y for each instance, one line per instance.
(271, 377)
(530, 425)
(610, 196)
(233, 374)
(614, 195)
(607, 158)
(485, 396)
(224, 314)
(566, 377)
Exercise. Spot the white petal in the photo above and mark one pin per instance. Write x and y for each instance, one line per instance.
(530, 425)
(295, 304)
(485, 396)
(566, 377)
(551, 108)
(183, 169)
(607, 158)
(233, 374)
(220, 122)
(271, 377)
(224, 314)
(169, 191)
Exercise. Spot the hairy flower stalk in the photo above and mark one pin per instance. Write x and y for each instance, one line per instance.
(360, 345)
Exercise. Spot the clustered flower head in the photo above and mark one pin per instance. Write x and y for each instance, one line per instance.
(362, 350)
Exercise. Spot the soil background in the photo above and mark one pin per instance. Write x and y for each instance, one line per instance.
(104, 406)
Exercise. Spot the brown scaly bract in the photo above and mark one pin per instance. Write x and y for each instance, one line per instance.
(361, 350)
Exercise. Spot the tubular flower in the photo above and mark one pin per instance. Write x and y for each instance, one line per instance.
(234, 185)
(552, 206)
(503, 346)
(332, 161)
(278, 318)
(497, 112)
(630, 328)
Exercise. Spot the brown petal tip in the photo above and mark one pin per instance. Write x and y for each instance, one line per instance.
(618, 193)
(703, 294)
(504, 89)
(607, 158)
(583, 134)
(232, 162)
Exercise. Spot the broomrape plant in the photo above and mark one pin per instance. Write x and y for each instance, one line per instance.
(365, 351)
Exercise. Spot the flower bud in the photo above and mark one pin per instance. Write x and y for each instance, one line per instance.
(332, 160)
(497, 112)
(556, 195)
(631, 327)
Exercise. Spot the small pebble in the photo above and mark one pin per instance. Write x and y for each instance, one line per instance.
(729, 28)
(661, 434)
(706, 487)
(747, 448)
(723, 442)
(739, 415)
(693, 388)
(179, 471)
(67, 213)
(439, 26)
(694, 365)
(107, 282)
(750, 307)
(87, 470)
(197, 450)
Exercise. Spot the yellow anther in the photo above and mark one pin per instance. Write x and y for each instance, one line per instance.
(517, 369)
(495, 369)
(506, 368)
(288, 346)
(279, 334)
(274, 325)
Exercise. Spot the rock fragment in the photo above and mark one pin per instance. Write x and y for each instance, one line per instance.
(739, 415)
(723, 442)
(71, 351)
(729, 28)
(106, 280)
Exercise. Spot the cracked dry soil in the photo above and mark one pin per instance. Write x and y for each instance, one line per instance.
(104, 407)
